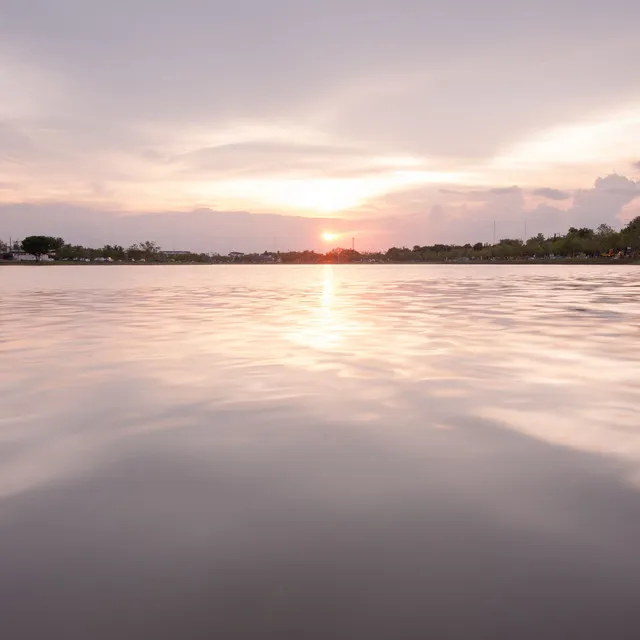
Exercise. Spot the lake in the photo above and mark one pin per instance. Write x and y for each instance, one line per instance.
(320, 452)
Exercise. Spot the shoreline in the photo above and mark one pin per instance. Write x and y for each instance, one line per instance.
(578, 262)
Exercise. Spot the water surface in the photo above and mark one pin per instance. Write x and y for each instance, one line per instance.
(314, 452)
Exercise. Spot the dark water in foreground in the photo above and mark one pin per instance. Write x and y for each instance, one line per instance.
(319, 452)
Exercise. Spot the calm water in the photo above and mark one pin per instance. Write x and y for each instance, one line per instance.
(375, 452)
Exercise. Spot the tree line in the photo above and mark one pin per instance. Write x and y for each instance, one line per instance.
(601, 243)
(59, 250)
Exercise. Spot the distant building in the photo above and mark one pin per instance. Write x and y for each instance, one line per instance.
(22, 256)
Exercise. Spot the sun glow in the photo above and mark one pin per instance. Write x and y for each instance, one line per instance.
(329, 236)
(304, 195)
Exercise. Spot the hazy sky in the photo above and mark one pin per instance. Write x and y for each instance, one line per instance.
(396, 122)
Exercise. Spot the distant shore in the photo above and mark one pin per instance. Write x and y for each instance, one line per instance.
(602, 245)
(541, 261)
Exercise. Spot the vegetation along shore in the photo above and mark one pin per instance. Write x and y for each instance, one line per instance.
(584, 245)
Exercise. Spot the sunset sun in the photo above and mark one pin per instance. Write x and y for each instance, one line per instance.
(329, 236)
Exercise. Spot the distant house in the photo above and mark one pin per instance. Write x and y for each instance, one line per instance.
(22, 256)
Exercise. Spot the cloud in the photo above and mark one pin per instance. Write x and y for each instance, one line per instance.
(413, 216)
(461, 192)
(505, 191)
(482, 194)
(182, 113)
(551, 194)
(630, 211)
(636, 165)
(269, 157)
(604, 202)
(469, 215)
(419, 81)
(14, 144)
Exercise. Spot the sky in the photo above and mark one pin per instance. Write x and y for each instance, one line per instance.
(249, 125)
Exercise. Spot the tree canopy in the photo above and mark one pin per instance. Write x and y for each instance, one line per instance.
(40, 245)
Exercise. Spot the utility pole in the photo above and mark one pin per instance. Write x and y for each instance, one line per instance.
(494, 232)
(353, 244)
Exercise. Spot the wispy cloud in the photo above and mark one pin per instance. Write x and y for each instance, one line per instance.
(482, 194)
(551, 194)
(334, 114)
(412, 216)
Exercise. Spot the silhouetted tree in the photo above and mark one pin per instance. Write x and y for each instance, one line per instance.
(631, 234)
(604, 231)
(38, 245)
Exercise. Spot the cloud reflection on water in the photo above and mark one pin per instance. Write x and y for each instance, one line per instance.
(321, 452)
(384, 345)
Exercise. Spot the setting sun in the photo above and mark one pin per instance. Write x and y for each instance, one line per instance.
(328, 236)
